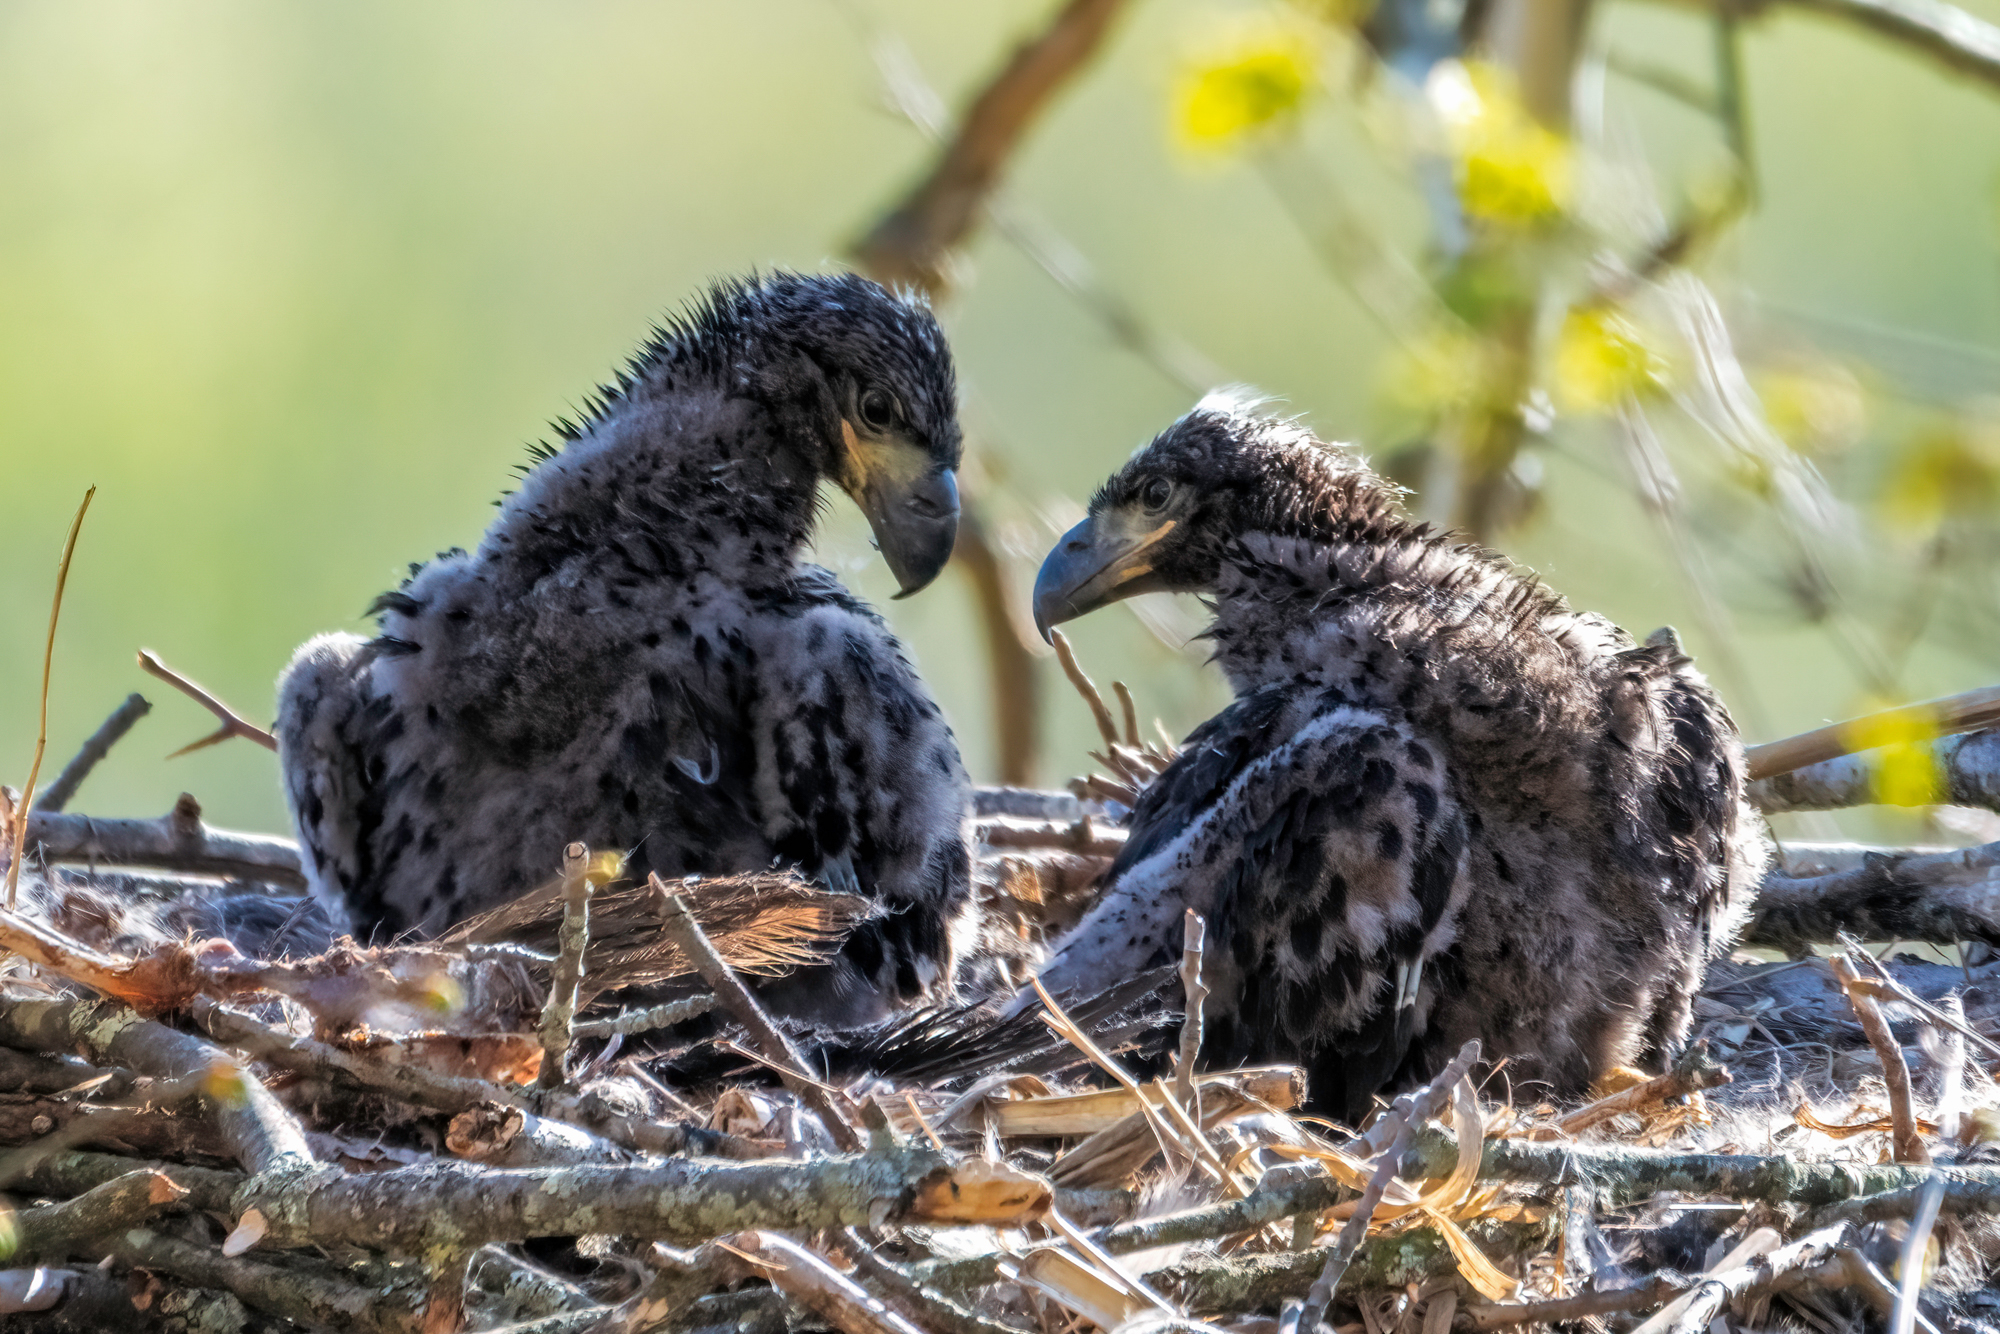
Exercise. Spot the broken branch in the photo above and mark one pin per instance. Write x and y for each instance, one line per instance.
(233, 723)
(108, 734)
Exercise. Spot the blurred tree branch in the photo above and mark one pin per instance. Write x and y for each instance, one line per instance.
(1955, 38)
(914, 244)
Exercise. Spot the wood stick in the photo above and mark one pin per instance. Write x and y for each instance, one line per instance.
(107, 735)
(1908, 1141)
(686, 933)
(1708, 1298)
(177, 841)
(1399, 1127)
(1875, 1288)
(1563, 1310)
(1130, 708)
(572, 940)
(260, 1133)
(814, 1284)
(233, 723)
(1084, 835)
(310, 1293)
(1099, 712)
(55, 1230)
(1967, 712)
(18, 843)
(627, 1022)
(412, 1210)
(1967, 766)
(1186, 1087)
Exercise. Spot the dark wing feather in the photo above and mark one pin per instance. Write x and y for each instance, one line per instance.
(1328, 850)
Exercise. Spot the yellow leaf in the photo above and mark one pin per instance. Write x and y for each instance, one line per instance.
(1252, 87)
(1479, 1271)
(442, 993)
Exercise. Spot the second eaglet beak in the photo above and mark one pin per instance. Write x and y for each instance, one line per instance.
(1106, 557)
(910, 502)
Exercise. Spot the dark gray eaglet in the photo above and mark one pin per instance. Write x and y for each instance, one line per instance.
(637, 655)
(1443, 805)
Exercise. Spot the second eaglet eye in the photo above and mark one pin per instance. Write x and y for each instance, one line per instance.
(1156, 493)
(878, 409)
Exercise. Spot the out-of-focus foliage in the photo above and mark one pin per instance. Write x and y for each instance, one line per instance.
(296, 285)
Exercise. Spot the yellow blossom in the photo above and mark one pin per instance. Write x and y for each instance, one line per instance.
(1600, 360)
(1906, 771)
(1512, 170)
(1945, 473)
(1254, 84)
(1815, 407)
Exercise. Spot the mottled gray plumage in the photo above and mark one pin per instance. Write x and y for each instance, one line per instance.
(1443, 805)
(637, 656)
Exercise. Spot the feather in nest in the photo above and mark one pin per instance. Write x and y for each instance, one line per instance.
(762, 923)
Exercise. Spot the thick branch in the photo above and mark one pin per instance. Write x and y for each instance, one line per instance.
(1934, 897)
(57, 794)
(1968, 767)
(177, 841)
(56, 1230)
(457, 1206)
(260, 1133)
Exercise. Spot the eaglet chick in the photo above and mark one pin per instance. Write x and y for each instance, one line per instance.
(1443, 805)
(638, 656)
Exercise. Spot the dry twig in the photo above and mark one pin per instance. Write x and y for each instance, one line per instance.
(1398, 1127)
(1909, 1142)
(573, 940)
(233, 723)
(17, 845)
(99, 744)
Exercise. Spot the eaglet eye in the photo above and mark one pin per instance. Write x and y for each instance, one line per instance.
(1155, 494)
(878, 410)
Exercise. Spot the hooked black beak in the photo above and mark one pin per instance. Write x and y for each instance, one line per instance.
(910, 503)
(1096, 563)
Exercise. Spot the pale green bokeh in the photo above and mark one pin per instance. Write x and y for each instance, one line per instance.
(295, 285)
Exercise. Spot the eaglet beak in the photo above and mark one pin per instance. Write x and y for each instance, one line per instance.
(1102, 559)
(910, 502)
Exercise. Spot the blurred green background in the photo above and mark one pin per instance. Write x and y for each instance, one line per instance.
(295, 285)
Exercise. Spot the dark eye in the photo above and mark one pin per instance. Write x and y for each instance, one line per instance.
(878, 409)
(1155, 494)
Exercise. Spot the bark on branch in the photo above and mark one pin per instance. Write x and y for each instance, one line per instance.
(452, 1206)
(260, 1133)
(1968, 768)
(177, 841)
(1936, 897)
